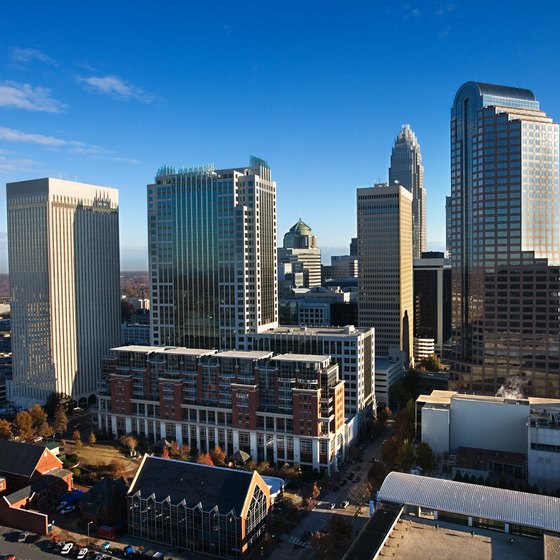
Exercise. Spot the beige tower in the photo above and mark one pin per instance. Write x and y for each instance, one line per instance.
(385, 278)
(63, 248)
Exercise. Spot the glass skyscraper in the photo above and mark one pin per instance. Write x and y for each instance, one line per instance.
(407, 169)
(505, 241)
(212, 253)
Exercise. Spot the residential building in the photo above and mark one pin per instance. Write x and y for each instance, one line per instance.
(286, 408)
(449, 421)
(351, 348)
(63, 249)
(407, 170)
(214, 511)
(505, 241)
(385, 280)
(301, 250)
(432, 300)
(212, 254)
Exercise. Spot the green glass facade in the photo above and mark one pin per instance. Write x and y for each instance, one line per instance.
(212, 243)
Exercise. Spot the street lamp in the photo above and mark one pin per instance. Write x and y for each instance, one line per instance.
(88, 524)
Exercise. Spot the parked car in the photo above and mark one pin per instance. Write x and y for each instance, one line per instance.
(332, 506)
(59, 546)
(22, 537)
(344, 504)
(67, 548)
(8, 557)
(82, 553)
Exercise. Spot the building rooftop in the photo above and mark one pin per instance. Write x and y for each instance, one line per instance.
(245, 354)
(348, 330)
(192, 483)
(445, 397)
(307, 358)
(20, 458)
(507, 506)
(164, 350)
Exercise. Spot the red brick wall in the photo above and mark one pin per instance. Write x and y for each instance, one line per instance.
(48, 462)
(23, 519)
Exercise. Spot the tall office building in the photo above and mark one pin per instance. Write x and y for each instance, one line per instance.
(212, 254)
(385, 280)
(63, 248)
(448, 227)
(505, 240)
(407, 169)
(300, 249)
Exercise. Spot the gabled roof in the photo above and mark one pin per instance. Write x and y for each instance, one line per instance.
(508, 506)
(194, 483)
(20, 458)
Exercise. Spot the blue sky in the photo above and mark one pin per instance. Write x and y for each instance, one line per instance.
(107, 94)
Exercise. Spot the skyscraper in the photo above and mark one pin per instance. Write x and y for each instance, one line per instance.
(505, 240)
(385, 280)
(301, 250)
(212, 253)
(63, 248)
(407, 169)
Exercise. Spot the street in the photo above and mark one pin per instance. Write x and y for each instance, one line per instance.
(316, 518)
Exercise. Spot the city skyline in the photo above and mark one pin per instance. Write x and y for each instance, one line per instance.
(328, 120)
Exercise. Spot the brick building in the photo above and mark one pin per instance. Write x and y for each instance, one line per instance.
(286, 408)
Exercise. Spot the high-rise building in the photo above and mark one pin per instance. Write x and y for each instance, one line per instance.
(505, 241)
(63, 248)
(212, 254)
(407, 170)
(448, 226)
(385, 275)
(432, 302)
(303, 257)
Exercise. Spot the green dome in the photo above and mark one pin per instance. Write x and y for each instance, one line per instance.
(301, 228)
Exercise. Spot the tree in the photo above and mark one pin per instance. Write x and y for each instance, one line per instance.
(185, 452)
(218, 455)
(127, 310)
(165, 452)
(130, 442)
(376, 474)
(404, 422)
(117, 469)
(204, 459)
(264, 468)
(57, 400)
(405, 456)
(24, 425)
(92, 439)
(360, 493)
(389, 451)
(289, 472)
(38, 415)
(424, 456)
(78, 443)
(46, 430)
(430, 363)
(315, 491)
(174, 450)
(5, 429)
(336, 536)
(60, 420)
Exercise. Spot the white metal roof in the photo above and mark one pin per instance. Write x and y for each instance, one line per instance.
(508, 506)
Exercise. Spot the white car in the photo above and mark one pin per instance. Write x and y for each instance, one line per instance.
(82, 553)
(67, 548)
(344, 504)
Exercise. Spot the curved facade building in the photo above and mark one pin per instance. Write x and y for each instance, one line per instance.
(407, 169)
(505, 240)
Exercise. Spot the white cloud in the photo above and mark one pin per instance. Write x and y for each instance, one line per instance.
(15, 164)
(73, 146)
(116, 87)
(23, 56)
(25, 96)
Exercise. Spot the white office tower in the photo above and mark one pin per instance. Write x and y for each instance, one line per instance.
(63, 249)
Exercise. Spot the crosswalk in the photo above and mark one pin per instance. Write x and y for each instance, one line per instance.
(294, 540)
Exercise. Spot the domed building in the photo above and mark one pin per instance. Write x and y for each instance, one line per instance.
(299, 260)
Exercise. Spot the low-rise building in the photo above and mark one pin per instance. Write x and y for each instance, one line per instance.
(214, 511)
(284, 408)
(388, 371)
(447, 420)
